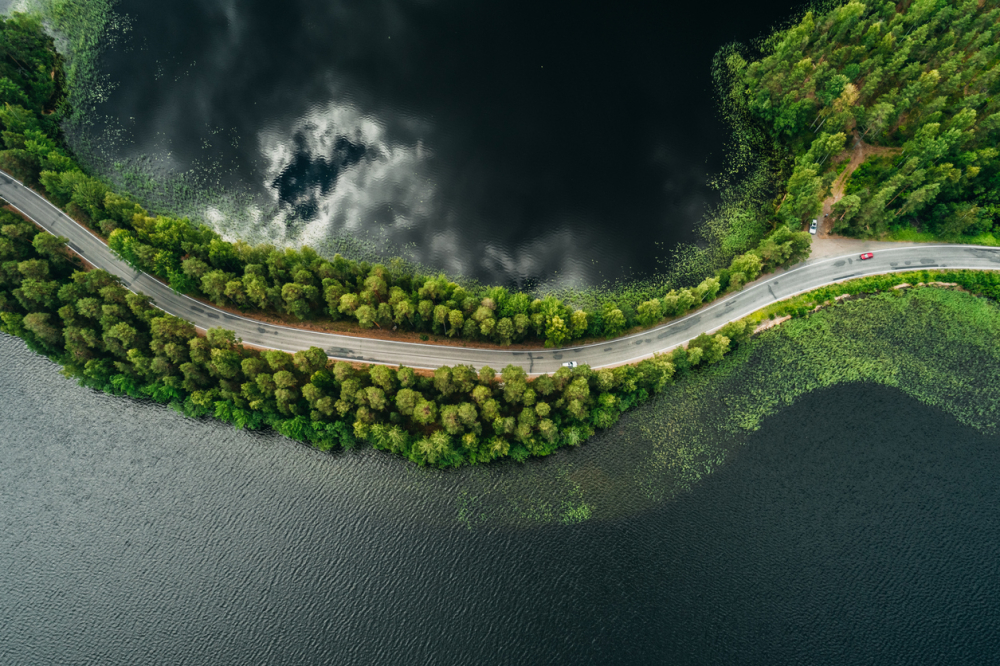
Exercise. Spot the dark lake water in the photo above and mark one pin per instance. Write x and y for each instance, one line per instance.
(513, 141)
(857, 526)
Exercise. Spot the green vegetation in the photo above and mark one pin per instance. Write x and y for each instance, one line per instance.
(114, 340)
(919, 79)
(935, 345)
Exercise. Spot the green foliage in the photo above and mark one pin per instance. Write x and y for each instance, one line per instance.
(115, 340)
(919, 79)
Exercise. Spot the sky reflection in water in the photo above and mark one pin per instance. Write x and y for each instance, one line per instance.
(506, 141)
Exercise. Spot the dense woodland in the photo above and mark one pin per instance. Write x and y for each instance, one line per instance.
(112, 339)
(918, 79)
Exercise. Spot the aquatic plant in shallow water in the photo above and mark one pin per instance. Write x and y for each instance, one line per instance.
(936, 345)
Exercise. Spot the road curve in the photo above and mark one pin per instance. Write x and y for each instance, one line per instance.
(805, 277)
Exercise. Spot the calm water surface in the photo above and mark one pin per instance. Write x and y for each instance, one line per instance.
(132, 535)
(511, 141)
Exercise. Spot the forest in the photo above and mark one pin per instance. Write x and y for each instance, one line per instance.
(914, 83)
(112, 339)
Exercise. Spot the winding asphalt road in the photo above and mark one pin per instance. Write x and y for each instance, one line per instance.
(809, 275)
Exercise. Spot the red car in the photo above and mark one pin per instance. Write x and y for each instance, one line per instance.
(867, 255)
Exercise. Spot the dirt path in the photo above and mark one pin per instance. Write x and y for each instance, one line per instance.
(859, 152)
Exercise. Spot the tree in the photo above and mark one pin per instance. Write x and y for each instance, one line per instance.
(226, 363)
(214, 284)
(877, 118)
(38, 294)
(383, 315)
(442, 381)
(278, 360)
(846, 208)
(383, 377)
(348, 304)
(919, 198)
(487, 376)
(556, 333)
(365, 315)
(424, 412)
(784, 247)
(708, 289)
(961, 218)
(310, 361)
(521, 325)
(685, 300)
(456, 320)
(89, 194)
(406, 376)
(407, 400)
(451, 421)
(649, 312)
(377, 286)
(712, 348)
(42, 326)
(804, 200)
(614, 322)
(34, 269)
(256, 290)
(743, 269)
(487, 327)
(333, 291)
(436, 447)
(48, 245)
(505, 331)
(294, 297)
(515, 384)
(441, 314)
(403, 312)
(425, 309)
(375, 398)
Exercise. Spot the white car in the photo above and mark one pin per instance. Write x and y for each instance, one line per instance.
(569, 364)
(813, 227)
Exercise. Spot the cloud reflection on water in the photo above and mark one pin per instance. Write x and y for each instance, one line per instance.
(569, 147)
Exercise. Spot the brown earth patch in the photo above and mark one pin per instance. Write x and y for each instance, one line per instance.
(858, 153)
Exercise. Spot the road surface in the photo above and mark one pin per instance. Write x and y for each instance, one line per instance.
(804, 277)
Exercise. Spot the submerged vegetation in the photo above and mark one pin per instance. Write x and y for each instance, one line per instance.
(912, 86)
(936, 345)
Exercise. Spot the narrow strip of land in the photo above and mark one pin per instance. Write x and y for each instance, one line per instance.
(807, 276)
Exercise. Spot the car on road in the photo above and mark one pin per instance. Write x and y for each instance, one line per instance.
(813, 227)
(867, 255)
(569, 364)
